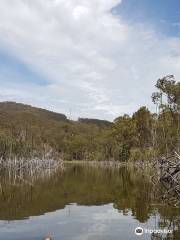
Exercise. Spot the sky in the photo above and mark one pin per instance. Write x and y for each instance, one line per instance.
(87, 58)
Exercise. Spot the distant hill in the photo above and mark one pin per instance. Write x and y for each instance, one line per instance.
(11, 108)
(27, 131)
(95, 121)
(14, 109)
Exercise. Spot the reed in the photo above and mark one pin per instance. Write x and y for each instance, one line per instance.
(25, 168)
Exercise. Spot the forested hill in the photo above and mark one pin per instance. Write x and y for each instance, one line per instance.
(30, 131)
(95, 121)
(14, 109)
(27, 131)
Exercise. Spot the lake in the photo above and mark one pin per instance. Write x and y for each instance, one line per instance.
(86, 203)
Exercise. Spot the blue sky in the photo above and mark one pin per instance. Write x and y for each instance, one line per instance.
(164, 15)
(99, 58)
(17, 72)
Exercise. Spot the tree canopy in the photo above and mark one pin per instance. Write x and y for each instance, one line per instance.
(27, 131)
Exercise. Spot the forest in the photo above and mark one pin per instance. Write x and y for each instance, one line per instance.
(28, 132)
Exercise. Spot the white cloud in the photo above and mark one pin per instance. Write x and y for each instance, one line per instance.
(97, 64)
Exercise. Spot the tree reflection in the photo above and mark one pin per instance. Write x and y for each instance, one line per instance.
(130, 191)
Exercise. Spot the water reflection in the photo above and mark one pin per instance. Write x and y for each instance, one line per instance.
(110, 201)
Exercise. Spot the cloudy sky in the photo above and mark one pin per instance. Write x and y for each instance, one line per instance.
(87, 58)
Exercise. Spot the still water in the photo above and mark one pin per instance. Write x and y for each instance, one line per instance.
(86, 203)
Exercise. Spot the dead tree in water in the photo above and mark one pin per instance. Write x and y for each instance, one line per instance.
(168, 174)
(27, 170)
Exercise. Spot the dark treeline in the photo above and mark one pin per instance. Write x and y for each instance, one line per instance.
(26, 131)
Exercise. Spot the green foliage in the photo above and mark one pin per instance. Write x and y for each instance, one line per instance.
(95, 121)
(138, 154)
(143, 124)
(28, 131)
(167, 125)
(168, 88)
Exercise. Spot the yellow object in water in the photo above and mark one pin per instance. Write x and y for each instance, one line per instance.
(48, 238)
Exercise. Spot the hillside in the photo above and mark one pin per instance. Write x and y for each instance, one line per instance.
(31, 131)
(13, 108)
(98, 122)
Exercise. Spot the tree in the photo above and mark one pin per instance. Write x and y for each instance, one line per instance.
(167, 100)
(168, 94)
(143, 123)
